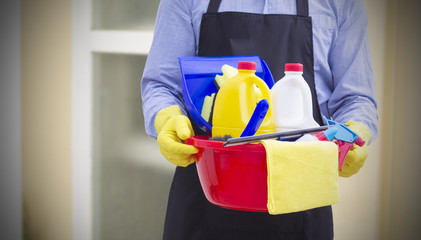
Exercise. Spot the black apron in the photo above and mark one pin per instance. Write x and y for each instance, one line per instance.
(278, 39)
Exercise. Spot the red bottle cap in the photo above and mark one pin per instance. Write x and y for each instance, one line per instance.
(247, 66)
(293, 67)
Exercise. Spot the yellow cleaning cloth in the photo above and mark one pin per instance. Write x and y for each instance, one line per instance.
(301, 175)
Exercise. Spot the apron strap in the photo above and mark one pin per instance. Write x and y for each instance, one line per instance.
(302, 7)
(213, 6)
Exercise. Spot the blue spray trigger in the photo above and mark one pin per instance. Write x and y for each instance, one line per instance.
(330, 132)
(256, 118)
(342, 132)
(345, 139)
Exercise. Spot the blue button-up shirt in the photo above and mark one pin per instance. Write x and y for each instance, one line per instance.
(343, 70)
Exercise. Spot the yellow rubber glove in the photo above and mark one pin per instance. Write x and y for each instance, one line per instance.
(173, 127)
(357, 155)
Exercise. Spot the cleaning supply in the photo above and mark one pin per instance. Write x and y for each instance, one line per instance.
(243, 140)
(236, 101)
(307, 138)
(343, 137)
(173, 127)
(328, 134)
(209, 101)
(227, 73)
(198, 81)
(207, 107)
(356, 157)
(256, 118)
(292, 104)
(301, 175)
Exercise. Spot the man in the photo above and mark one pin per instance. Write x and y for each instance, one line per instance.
(328, 37)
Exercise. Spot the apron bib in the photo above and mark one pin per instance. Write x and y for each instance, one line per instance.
(277, 39)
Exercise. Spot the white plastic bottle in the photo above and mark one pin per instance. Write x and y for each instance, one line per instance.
(292, 104)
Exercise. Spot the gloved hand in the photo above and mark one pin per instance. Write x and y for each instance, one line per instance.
(173, 127)
(357, 155)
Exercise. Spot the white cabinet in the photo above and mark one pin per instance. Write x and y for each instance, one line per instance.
(120, 180)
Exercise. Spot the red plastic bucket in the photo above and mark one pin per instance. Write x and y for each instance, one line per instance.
(232, 177)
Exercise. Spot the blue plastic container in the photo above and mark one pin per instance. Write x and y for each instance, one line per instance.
(198, 74)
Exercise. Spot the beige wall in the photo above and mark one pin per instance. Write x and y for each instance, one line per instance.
(46, 82)
(383, 200)
(401, 211)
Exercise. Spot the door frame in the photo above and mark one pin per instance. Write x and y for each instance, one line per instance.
(85, 42)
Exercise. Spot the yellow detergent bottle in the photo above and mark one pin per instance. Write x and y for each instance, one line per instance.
(236, 101)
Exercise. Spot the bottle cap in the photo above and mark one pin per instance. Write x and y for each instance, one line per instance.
(247, 66)
(293, 67)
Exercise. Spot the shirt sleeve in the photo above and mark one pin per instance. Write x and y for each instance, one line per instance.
(353, 96)
(160, 83)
